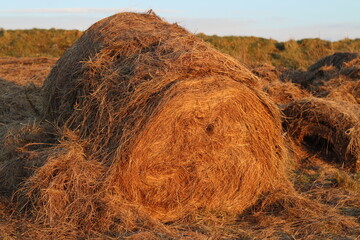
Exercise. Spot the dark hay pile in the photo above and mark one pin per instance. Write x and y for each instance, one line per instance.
(337, 60)
(331, 74)
(19, 108)
(18, 103)
(155, 125)
(331, 127)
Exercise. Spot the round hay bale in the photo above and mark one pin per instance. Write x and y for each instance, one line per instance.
(329, 127)
(178, 125)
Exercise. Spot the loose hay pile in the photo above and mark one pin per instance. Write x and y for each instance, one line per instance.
(285, 92)
(333, 127)
(155, 124)
(281, 91)
(338, 73)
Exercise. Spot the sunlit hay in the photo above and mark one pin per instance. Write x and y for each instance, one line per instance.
(285, 92)
(64, 192)
(348, 91)
(328, 126)
(266, 72)
(299, 217)
(205, 146)
(125, 55)
(178, 125)
(329, 72)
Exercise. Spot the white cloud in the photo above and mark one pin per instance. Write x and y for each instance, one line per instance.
(78, 10)
(234, 27)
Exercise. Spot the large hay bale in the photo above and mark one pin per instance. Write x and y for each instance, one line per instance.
(329, 126)
(176, 125)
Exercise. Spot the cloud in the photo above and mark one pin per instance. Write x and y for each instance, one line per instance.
(214, 26)
(79, 10)
(225, 27)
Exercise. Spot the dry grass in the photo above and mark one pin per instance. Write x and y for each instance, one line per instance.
(155, 135)
(285, 92)
(331, 126)
(25, 71)
(280, 90)
(328, 73)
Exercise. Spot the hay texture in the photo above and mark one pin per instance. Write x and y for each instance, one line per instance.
(329, 126)
(285, 92)
(348, 91)
(164, 125)
(330, 74)
(280, 90)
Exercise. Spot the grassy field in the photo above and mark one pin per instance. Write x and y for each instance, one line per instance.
(249, 50)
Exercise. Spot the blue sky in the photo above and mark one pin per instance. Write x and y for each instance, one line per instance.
(277, 19)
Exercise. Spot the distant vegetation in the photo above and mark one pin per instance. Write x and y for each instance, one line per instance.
(249, 50)
(36, 42)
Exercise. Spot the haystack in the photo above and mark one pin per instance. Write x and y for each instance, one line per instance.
(329, 127)
(156, 125)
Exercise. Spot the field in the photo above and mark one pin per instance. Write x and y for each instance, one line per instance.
(53, 163)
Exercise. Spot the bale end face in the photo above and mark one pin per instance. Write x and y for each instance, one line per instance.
(210, 144)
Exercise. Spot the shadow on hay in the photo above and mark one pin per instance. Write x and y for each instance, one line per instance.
(330, 127)
(328, 77)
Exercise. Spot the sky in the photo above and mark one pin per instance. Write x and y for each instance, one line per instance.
(277, 19)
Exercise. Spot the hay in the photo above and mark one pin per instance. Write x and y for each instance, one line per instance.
(18, 103)
(19, 155)
(280, 90)
(337, 60)
(285, 92)
(332, 127)
(266, 72)
(328, 73)
(347, 91)
(164, 124)
(19, 109)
